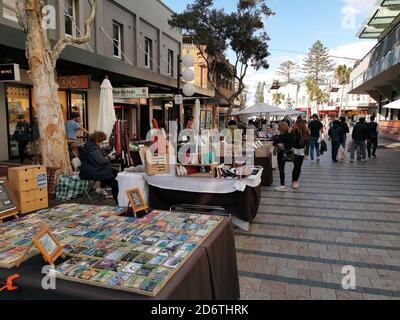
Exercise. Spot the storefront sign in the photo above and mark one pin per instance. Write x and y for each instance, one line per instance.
(74, 82)
(130, 93)
(178, 99)
(161, 96)
(9, 72)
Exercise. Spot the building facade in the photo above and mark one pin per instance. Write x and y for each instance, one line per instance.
(295, 97)
(377, 74)
(132, 44)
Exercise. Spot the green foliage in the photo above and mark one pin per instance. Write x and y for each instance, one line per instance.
(278, 98)
(315, 93)
(287, 69)
(342, 74)
(260, 92)
(215, 31)
(317, 63)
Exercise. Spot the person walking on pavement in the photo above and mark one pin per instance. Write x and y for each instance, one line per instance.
(336, 134)
(360, 135)
(373, 129)
(22, 135)
(301, 137)
(346, 130)
(316, 131)
(284, 142)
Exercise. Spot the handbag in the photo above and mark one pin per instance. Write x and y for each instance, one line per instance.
(288, 155)
(324, 147)
(341, 154)
(350, 146)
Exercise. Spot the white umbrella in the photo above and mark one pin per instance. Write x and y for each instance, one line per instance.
(288, 113)
(260, 108)
(107, 116)
(393, 105)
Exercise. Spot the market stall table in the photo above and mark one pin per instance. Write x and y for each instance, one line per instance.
(210, 273)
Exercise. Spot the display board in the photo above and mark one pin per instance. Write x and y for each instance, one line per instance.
(121, 253)
(8, 202)
(136, 200)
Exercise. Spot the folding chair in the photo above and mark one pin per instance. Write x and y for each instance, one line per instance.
(76, 164)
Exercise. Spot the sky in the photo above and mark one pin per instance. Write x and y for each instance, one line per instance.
(297, 24)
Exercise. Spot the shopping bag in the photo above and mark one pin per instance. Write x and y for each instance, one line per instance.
(324, 147)
(350, 146)
(341, 154)
(71, 187)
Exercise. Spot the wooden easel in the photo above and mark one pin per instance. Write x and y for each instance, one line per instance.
(12, 212)
(50, 258)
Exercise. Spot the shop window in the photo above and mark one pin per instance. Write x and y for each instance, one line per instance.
(148, 53)
(117, 40)
(70, 17)
(18, 102)
(9, 11)
(78, 105)
(170, 63)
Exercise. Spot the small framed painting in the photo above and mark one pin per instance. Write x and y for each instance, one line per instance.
(136, 200)
(48, 245)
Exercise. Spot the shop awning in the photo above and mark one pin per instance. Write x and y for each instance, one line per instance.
(393, 105)
(380, 20)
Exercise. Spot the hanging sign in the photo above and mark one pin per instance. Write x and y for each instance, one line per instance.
(161, 96)
(10, 72)
(130, 93)
(74, 82)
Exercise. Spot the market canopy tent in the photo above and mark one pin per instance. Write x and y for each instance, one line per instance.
(393, 105)
(107, 117)
(288, 113)
(259, 108)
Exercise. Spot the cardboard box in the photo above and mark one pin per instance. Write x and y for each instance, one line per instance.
(40, 194)
(41, 204)
(27, 206)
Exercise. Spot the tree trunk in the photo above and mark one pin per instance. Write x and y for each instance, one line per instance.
(49, 113)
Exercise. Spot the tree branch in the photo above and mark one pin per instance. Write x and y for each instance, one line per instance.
(20, 7)
(69, 40)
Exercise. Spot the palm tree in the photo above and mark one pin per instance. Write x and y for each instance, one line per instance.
(315, 94)
(342, 75)
(278, 98)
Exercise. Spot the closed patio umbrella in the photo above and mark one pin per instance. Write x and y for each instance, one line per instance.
(107, 116)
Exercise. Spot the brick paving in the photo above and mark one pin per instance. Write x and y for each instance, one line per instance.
(343, 214)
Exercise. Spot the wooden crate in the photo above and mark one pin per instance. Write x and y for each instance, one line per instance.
(156, 164)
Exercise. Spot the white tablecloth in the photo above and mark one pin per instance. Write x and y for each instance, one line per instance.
(128, 181)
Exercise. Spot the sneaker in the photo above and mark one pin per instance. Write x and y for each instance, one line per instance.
(352, 161)
(102, 192)
(318, 159)
(281, 189)
(296, 185)
(364, 160)
(374, 155)
(312, 161)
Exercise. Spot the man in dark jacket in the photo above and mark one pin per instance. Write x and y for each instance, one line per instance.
(360, 135)
(373, 130)
(22, 135)
(336, 134)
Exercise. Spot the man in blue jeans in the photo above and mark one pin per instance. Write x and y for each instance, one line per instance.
(316, 130)
(360, 135)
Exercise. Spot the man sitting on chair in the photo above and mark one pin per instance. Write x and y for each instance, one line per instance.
(96, 164)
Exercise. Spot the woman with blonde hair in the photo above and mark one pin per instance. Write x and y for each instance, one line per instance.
(284, 141)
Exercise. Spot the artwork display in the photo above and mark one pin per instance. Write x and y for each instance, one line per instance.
(122, 253)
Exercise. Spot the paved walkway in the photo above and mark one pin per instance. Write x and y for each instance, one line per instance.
(343, 215)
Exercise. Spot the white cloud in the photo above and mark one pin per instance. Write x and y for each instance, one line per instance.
(354, 8)
(355, 50)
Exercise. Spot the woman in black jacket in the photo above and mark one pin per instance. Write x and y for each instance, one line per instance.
(96, 164)
(284, 141)
(301, 147)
